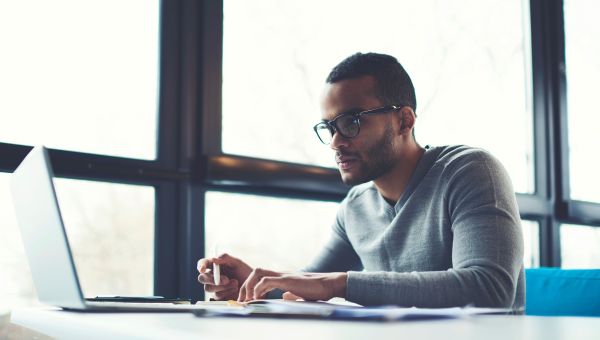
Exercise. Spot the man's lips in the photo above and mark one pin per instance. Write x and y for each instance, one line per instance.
(345, 162)
(345, 165)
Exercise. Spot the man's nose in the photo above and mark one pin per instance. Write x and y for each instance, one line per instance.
(338, 141)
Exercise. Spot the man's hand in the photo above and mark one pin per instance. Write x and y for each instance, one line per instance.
(308, 286)
(233, 273)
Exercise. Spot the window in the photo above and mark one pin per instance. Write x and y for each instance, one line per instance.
(80, 75)
(582, 49)
(133, 86)
(111, 231)
(470, 62)
(275, 233)
(110, 228)
(531, 240)
(16, 285)
(580, 246)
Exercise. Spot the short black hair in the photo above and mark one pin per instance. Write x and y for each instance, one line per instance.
(393, 84)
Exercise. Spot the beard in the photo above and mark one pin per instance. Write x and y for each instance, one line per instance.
(378, 159)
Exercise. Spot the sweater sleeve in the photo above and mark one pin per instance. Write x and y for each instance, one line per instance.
(487, 247)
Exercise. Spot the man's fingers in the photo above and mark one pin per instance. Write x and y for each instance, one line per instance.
(249, 287)
(225, 259)
(296, 286)
(208, 280)
(201, 265)
(245, 292)
(226, 294)
(205, 278)
(242, 293)
(224, 280)
(212, 288)
(291, 296)
(229, 293)
(267, 284)
(204, 264)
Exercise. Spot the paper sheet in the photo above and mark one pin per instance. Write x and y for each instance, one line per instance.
(328, 310)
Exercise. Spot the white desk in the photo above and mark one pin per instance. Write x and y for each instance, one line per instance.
(69, 325)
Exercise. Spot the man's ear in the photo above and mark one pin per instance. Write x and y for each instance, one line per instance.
(406, 117)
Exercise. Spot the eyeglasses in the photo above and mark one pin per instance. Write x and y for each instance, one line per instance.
(347, 124)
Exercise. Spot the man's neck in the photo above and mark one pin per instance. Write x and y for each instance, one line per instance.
(392, 185)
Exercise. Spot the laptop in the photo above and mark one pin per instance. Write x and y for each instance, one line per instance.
(47, 247)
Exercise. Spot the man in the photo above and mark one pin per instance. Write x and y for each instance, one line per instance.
(425, 227)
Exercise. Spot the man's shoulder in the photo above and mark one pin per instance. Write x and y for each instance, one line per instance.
(453, 153)
(457, 156)
(468, 166)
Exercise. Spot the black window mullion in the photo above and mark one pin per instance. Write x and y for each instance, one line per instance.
(549, 121)
(586, 213)
(169, 92)
(79, 165)
(192, 96)
(191, 247)
(212, 77)
(549, 242)
(11, 156)
(166, 278)
(167, 199)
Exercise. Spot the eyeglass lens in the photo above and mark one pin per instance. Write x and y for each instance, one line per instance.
(347, 126)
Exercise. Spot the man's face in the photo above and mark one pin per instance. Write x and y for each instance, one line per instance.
(370, 154)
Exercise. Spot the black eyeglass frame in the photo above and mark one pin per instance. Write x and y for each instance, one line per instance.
(332, 125)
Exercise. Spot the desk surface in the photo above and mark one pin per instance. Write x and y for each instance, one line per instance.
(71, 325)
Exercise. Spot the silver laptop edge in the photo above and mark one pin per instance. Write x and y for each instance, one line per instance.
(43, 232)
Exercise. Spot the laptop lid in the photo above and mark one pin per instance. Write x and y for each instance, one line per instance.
(43, 232)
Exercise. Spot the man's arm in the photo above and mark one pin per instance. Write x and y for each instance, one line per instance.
(487, 249)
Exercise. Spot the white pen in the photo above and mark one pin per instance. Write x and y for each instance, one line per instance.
(216, 269)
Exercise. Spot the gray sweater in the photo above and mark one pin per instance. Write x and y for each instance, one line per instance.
(454, 238)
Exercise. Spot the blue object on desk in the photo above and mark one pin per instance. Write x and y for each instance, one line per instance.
(566, 292)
